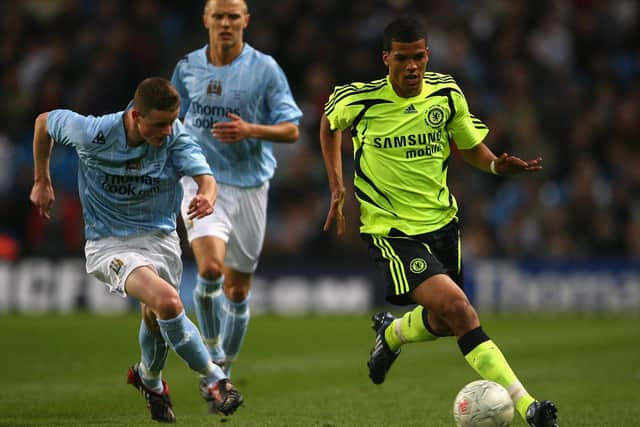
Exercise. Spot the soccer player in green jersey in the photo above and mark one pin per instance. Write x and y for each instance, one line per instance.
(402, 128)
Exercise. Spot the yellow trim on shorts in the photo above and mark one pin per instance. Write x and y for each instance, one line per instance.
(396, 267)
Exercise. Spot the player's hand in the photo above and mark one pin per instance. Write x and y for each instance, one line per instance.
(335, 212)
(511, 165)
(231, 131)
(42, 197)
(199, 207)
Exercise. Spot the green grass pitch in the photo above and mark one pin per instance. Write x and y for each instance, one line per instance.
(310, 371)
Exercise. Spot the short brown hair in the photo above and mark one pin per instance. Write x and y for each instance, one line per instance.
(244, 3)
(156, 93)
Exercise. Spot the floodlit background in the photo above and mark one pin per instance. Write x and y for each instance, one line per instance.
(558, 79)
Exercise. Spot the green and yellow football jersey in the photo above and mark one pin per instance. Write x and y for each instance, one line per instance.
(402, 148)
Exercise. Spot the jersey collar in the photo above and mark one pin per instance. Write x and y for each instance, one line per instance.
(397, 97)
(243, 52)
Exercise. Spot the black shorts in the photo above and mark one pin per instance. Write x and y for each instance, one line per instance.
(407, 261)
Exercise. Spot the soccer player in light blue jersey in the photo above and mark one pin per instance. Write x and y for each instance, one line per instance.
(236, 101)
(128, 178)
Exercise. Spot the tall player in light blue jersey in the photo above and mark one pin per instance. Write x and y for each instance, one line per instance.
(236, 101)
(128, 178)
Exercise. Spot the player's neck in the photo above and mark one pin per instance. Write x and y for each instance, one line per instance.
(223, 55)
(131, 133)
(407, 92)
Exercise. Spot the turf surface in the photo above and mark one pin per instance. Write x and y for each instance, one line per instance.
(310, 371)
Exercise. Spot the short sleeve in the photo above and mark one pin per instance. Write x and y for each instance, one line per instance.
(466, 130)
(68, 128)
(186, 153)
(337, 110)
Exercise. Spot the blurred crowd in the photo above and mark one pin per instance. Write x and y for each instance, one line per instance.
(558, 79)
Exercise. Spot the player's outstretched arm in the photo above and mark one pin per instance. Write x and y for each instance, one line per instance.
(237, 129)
(331, 143)
(483, 158)
(202, 203)
(42, 195)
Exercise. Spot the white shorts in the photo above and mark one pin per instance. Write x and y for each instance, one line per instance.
(112, 259)
(239, 218)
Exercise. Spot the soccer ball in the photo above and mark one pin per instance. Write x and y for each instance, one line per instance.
(483, 403)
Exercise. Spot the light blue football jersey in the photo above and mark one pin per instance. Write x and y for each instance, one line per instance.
(126, 191)
(254, 87)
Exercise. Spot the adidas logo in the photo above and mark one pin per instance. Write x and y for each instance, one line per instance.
(410, 109)
(377, 348)
(99, 139)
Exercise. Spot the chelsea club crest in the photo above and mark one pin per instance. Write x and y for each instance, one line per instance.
(435, 116)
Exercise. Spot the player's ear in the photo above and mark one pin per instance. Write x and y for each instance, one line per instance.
(247, 18)
(135, 113)
(385, 57)
(205, 12)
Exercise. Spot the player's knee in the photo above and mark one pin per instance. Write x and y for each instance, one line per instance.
(459, 309)
(169, 306)
(211, 269)
(237, 293)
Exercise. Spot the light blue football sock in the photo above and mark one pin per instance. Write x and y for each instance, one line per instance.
(154, 355)
(184, 338)
(208, 310)
(234, 328)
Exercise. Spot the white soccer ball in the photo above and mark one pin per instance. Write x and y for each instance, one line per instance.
(483, 403)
